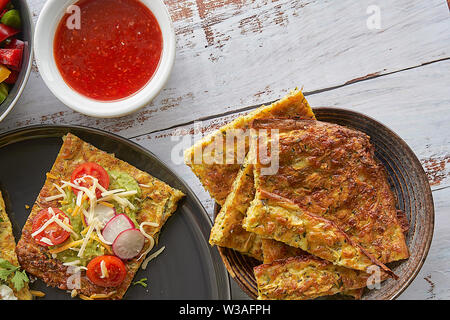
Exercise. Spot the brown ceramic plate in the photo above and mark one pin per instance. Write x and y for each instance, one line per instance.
(409, 184)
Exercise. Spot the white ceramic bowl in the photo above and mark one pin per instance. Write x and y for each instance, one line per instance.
(46, 26)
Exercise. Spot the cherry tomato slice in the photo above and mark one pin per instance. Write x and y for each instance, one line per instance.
(116, 271)
(90, 169)
(53, 232)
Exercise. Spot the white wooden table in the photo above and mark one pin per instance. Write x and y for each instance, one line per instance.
(235, 54)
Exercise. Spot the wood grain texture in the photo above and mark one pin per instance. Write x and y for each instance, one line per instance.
(415, 104)
(234, 53)
(433, 280)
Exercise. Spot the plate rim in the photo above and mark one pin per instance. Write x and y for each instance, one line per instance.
(223, 293)
(423, 177)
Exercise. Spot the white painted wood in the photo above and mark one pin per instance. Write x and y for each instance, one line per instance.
(235, 53)
(433, 280)
(415, 104)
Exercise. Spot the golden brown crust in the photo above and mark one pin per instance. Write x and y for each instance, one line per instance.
(159, 202)
(7, 249)
(227, 230)
(275, 250)
(305, 277)
(277, 218)
(217, 177)
(331, 171)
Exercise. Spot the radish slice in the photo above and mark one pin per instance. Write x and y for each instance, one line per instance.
(115, 226)
(128, 244)
(103, 214)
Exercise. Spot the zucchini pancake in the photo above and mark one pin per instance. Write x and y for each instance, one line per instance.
(321, 222)
(13, 282)
(278, 251)
(330, 172)
(306, 277)
(227, 230)
(96, 217)
(217, 176)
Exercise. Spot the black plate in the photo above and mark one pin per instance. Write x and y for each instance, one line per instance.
(188, 268)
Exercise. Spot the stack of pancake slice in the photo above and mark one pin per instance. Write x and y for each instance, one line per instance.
(306, 198)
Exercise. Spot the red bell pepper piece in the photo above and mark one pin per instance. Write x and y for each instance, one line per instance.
(12, 77)
(3, 4)
(15, 44)
(3, 13)
(11, 57)
(7, 31)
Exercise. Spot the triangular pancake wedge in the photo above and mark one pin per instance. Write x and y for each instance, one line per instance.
(305, 277)
(227, 230)
(330, 171)
(7, 249)
(217, 175)
(275, 250)
(277, 218)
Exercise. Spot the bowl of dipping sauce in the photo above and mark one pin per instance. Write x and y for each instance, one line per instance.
(105, 58)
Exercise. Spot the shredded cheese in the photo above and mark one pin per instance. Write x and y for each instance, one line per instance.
(61, 190)
(66, 246)
(86, 215)
(87, 191)
(106, 204)
(101, 295)
(79, 198)
(38, 294)
(108, 248)
(72, 263)
(66, 227)
(151, 257)
(47, 241)
(149, 237)
(51, 176)
(51, 198)
(100, 236)
(86, 240)
(61, 194)
(44, 226)
(110, 192)
(126, 193)
(92, 230)
(104, 270)
(83, 232)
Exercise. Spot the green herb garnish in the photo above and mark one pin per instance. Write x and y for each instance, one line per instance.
(142, 282)
(19, 278)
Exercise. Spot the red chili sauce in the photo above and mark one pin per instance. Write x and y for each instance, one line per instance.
(114, 53)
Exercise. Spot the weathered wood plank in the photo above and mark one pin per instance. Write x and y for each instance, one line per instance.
(433, 280)
(415, 104)
(234, 53)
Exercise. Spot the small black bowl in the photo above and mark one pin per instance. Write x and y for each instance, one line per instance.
(26, 36)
